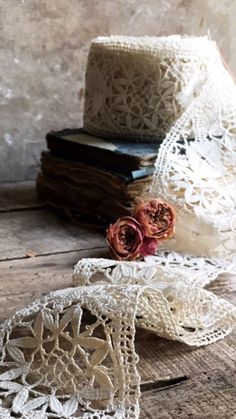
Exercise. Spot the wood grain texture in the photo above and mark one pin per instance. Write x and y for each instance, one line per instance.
(208, 395)
(42, 232)
(21, 281)
(176, 381)
(22, 195)
(161, 359)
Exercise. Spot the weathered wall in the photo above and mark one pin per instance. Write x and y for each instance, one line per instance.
(44, 44)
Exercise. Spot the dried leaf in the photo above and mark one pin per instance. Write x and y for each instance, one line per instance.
(31, 253)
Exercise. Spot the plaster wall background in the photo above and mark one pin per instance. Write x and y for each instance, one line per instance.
(43, 50)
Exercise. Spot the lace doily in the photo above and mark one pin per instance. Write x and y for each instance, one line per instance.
(71, 354)
(56, 362)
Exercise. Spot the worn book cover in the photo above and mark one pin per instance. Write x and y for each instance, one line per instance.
(124, 156)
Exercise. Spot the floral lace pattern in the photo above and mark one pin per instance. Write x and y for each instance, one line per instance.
(71, 354)
(64, 366)
(178, 88)
(195, 271)
(138, 87)
(200, 176)
(172, 303)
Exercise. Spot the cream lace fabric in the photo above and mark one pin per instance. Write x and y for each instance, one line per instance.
(138, 87)
(177, 87)
(71, 354)
(199, 176)
(58, 363)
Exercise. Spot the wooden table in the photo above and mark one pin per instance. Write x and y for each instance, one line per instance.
(38, 249)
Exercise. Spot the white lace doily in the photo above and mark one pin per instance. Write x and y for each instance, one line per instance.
(56, 362)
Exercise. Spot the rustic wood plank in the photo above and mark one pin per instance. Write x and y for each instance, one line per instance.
(21, 281)
(42, 232)
(161, 359)
(206, 395)
(20, 195)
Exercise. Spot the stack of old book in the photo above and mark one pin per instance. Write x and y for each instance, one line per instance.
(94, 180)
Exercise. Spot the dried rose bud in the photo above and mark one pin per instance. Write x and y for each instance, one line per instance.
(125, 238)
(149, 246)
(157, 218)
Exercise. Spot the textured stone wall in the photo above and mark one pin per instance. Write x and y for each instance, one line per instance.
(44, 44)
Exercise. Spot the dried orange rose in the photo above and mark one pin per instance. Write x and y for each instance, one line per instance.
(157, 218)
(125, 238)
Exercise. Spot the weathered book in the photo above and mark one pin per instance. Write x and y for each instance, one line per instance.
(87, 193)
(123, 156)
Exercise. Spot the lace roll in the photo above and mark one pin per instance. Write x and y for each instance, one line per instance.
(176, 88)
(137, 87)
